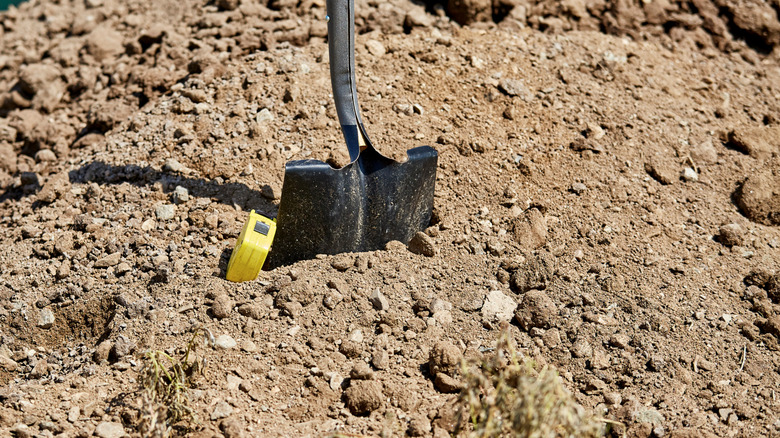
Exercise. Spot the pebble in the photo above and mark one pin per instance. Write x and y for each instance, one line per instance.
(73, 414)
(248, 346)
(375, 48)
(513, 87)
(181, 195)
(45, 155)
(45, 318)
(380, 360)
(731, 235)
(122, 268)
(172, 165)
(443, 317)
(422, 243)
(581, 348)
(222, 306)
(437, 305)
(612, 398)
(264, 116)
(342, 262)
(660, 172)
(356, 336)
(689, 175)
(221, 410)
(225, 341)
(109, 260)
(122, 347)
(378, 300)
(361, 371)
(498, 307)
(334, 381)
(620, 340)
(535, 310)
(109, 429)
(578, 188)
(165, 212)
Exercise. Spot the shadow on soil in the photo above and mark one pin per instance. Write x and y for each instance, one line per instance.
(228, 193)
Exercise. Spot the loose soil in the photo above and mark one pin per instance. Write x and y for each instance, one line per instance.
(608, 185)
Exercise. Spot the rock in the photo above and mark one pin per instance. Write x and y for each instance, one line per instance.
(689, 175)
(252, 310)
(445, 358)
(375, 48)
(181, 195)
(361, 371)
(612, 398)
(264, 116)
(417, 17)
(109, 429)
(535, 273)
(422, 243)
(165, 212)
(103, 43)
(759, 142)
(419, 426)
(232, 428)
(222, 306)
(530, 230)
(334, 381)
(447, 384)
(437, 305)
(342, 262)
(45, 156)
(378, 300)
(498, 307)
(54, 188)
(109, 260)
(578, 188)
(225, 342)
(221, 410)
(228, 5)
(122, 347)
(364, 396)
(380, 360)
(102, 352)
(513, 87)
(581, 348)
(41, 369)
(351, 349)
(172, 165)
(73, 414)
(731, 235)
(661, 172)
(536, 310)
(466, 12)
(758, 198)
(620, 340)
(648, 415)
(704, 153)
(46, 318)
(43, 83)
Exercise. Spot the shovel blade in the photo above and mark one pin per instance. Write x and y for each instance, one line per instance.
(359, 207)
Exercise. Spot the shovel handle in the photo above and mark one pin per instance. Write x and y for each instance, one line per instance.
(341, 48)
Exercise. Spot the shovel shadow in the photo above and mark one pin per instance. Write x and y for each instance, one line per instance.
(228, 193)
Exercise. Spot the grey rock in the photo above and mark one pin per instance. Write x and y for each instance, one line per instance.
(498, 307)
(379, 301)
(108, 429)
(165, 212)
(225, 342)
(46, 318)
(422, 243)
(221, 410)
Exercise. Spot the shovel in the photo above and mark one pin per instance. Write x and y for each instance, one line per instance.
(365, 204)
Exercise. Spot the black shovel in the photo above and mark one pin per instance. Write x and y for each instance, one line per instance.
(368, 202)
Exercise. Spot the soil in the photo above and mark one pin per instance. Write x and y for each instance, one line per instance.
(608, 192)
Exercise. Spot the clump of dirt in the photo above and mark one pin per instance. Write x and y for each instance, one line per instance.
(606, 195)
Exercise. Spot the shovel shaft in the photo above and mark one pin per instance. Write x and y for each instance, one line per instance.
(341, 48)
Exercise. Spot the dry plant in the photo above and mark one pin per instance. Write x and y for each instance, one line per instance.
(165, 383)
(505, 396)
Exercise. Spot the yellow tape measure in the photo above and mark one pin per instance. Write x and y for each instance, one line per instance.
(252, 248)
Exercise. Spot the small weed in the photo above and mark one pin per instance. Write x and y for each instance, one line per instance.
(505, 396)
(165, 382)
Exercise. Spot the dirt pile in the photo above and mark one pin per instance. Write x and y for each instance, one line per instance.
(611, 201)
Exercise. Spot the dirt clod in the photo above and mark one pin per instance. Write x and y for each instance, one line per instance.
(364, 396)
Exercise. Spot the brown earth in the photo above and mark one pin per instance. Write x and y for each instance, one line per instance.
(608, 181)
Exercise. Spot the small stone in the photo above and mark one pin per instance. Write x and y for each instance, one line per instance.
(375, 48)
(225, 342)
(221, 410)
(513, 87)
(581, 348)
(364, 396)
(122, 269)
(73, 414)
(172, 165)
(45, 155)
(122, 347)
(342, 262)
(380, 360)
(165, 212)
(228, 5)
(530, 230)
(578, 188)
(361, 371)
(758, 198)
(731, 235)
(422, 243)
(447, 384)
(181, 195)
(689, 175)
(102, 351)
(335, 381)
(269, 192)
(417, 17)
(104, 42)
(613, 398)
(437, 305)
(41, 369)
(620, 340)
(108, 429)
(445, 358)
(356, 336)
(264, 116)
(498, 307)
(109, 260)
(222, 306)
(420, 426)
(535, 273)
(248, 346)
(536, 310)
(648, 415)
(662, 173)
(417, 109)
(378, 300)
(46, 318)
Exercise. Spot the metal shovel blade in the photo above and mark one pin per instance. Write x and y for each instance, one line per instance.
(359, 207)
